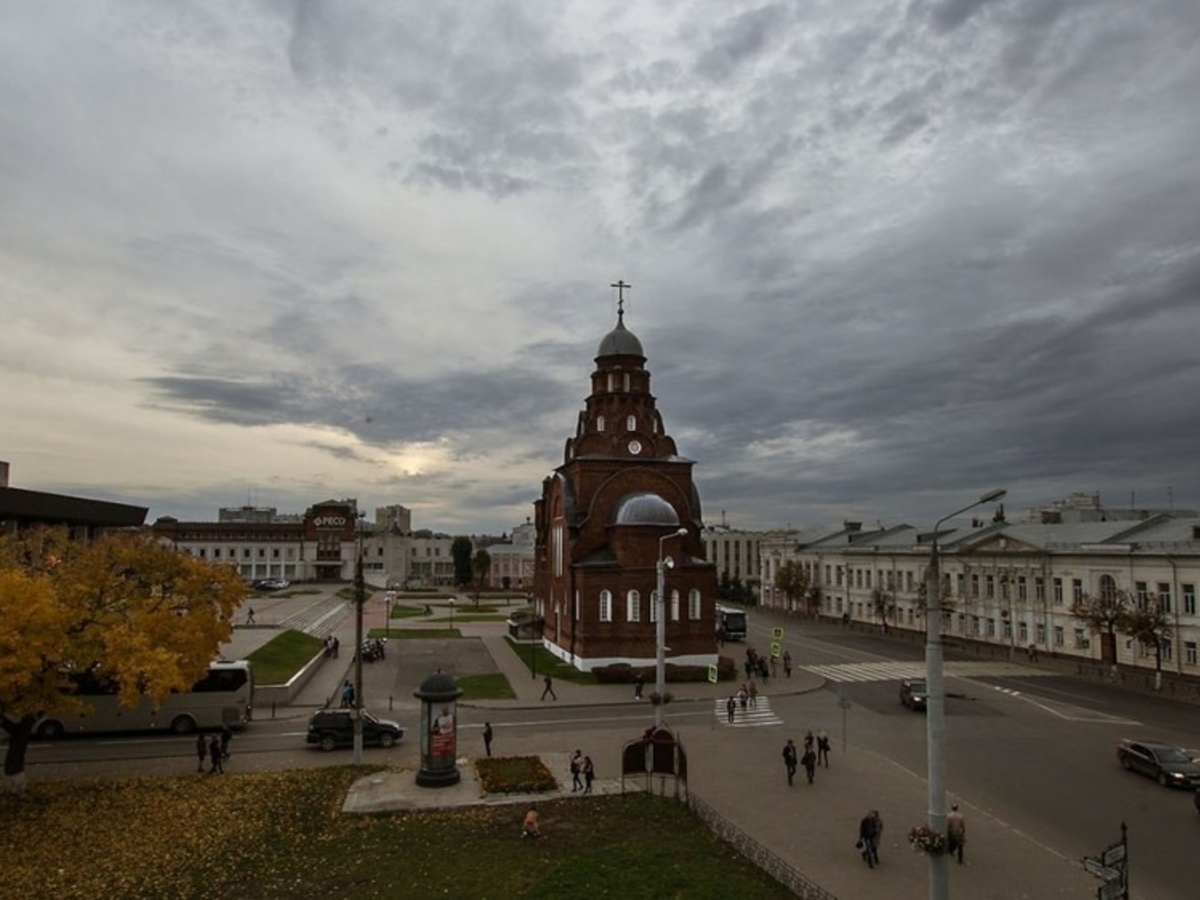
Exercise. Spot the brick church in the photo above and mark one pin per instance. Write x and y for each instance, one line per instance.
(602, 518)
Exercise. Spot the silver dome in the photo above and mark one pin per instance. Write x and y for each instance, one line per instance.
(645, 509)
(620, 342)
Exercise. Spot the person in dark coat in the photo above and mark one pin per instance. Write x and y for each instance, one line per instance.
(867, 839)
(576, 771)
(487, 737)
(809, 761)
(638, 684)
(215, 754)
(226, 737)
(589, 774)
(789, 759)
(822, 747)
(548, 688)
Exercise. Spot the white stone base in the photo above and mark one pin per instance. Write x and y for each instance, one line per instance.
(586, 665)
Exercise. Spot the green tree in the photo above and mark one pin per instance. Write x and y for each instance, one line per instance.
(793, 581)
(1104, 615)
(460, 551)
(481, 564)
(1149, 624)
(123, 608)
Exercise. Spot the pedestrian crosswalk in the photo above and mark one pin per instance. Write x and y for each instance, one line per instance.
(895, 670)
(750, 717)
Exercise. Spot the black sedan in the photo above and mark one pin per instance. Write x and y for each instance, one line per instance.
(913, 693)
(1168, 765)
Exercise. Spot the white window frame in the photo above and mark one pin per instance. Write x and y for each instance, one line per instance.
(694, 604)
(606, 606)
(674, 606)
(633, 607)
(653, 606)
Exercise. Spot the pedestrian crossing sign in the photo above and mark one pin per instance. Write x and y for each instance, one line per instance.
(777, 634)
(776, 649)
(712, 673)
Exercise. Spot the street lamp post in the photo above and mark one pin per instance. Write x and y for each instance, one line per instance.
(387, 611)
(360, 596)
(660, 630)
(451, 613)
(935, 706)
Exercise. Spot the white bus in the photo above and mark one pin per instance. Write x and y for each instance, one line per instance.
(731, 623)
(224, 696)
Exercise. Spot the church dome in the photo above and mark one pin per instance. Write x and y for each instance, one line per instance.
(644, 509)
(620, 341)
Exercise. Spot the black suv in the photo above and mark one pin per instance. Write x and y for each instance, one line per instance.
(335, 728)
(913, 693)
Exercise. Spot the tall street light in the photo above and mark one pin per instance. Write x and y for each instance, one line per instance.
(935, 705)
(660, 629)
(360, 597)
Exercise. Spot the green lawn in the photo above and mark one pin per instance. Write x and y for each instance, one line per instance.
(281, 834)
(283, 656)
(548, 663)
(490, 686)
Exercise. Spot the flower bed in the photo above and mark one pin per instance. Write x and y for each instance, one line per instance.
(925, 840)
(514, 775)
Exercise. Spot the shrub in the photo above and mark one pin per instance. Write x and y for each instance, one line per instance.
(514, 775)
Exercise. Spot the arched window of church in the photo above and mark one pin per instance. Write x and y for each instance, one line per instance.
(633, 607)
(606, 606)
(654, 606)
(674, 606)
(577, 606)
(626, 381)
(610, 382)
(599, 423)
(631, 423)
(694, 604)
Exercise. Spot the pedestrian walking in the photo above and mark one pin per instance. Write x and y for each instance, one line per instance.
(877, 830)
(774, 666)
(822, 747)
(638, 684)
(226, 737)
(808, 741)
(549, 688)
(787, 663)
(956, 833)
(1033, 657)
(866, 839)
(789, 759)
(250, 616)
(809, 761)
(753, 693)
(730, 708)
(214, 753)
(336, 646)
(487, 737)
(347, 694)
(743, 697)
(201, 751)
(576, 771)
(589, 774)
(764, 670)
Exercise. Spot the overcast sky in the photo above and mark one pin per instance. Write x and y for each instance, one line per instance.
(885, 255)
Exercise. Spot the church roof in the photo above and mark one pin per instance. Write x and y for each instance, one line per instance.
(620, 341)
(644, 509)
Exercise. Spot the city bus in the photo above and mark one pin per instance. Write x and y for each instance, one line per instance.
(224, 696)
(731, 623)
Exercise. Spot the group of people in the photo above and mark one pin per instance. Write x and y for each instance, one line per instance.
(215, 747)
(816, 752)
(583, 772)
(347, 694)
(870, 832)
(331, 646)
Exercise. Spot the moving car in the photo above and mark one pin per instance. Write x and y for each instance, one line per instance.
(1170, 766)
(271, 584)
(913, 693)
(331, 728)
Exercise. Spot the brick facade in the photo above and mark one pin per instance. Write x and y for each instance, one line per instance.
(604, 514)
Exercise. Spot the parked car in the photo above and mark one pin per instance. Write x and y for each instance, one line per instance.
(1170, 766)
(271, 584)
(913, 693)
(331, 728)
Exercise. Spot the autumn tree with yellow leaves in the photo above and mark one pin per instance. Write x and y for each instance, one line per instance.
(122, 608)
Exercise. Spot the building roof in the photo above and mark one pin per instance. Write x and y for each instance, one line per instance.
(39, 508)
(644, 508)
(620, 341)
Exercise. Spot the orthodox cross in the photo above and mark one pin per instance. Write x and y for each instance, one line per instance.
(621, 287)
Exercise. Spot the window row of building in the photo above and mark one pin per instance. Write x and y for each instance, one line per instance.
(1005, 583)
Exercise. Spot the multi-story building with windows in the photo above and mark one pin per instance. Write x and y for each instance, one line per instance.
(735, 553)
(1013, 584)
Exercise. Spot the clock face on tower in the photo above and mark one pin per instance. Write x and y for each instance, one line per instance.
(635, 447)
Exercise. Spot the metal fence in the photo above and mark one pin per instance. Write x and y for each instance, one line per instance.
(754, 851)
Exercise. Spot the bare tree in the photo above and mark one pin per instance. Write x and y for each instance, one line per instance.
(793, 581)
(883, 604)
(1104, 615)
(1149, 624)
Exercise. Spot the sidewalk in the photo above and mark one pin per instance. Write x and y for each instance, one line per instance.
(736, 771)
